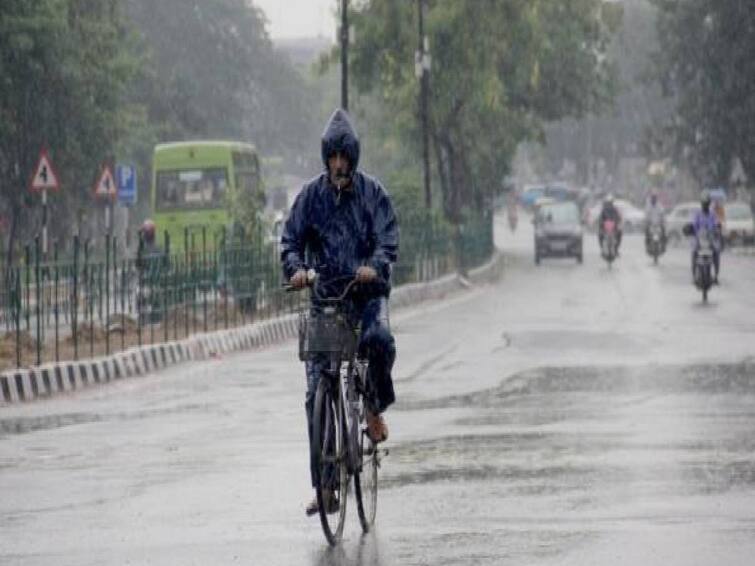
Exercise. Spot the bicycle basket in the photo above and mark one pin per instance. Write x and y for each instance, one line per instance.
(325, 333)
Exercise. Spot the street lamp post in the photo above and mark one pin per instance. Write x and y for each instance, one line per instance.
(344, 54)
(422, 70)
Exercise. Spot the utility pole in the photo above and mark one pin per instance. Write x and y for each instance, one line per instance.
(422, 70)
(345, 54)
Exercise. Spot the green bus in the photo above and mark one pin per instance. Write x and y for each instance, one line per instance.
(192, 184)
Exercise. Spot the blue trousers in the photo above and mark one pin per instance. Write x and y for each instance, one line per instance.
(378, 346)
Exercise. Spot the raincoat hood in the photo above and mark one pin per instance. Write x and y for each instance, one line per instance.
(340, 135)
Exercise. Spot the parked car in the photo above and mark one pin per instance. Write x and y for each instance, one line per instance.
(680, 215)
(633, 219)
(558, 232)
(738, 226)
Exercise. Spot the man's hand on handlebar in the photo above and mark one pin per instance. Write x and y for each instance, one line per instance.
(366, 274)
(303, 278)
(299, 280)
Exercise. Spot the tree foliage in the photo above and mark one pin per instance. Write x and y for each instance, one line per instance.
(63, 67)
(598, 142)
(211, 71)
(499, 71)
(706, 65)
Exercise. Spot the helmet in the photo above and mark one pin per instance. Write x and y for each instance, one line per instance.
(148, 231)
(608, 199)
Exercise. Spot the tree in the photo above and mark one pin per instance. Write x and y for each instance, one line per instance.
(706, 67)
(598, 142)
(63, 69)
(213, 72)
(500, 70)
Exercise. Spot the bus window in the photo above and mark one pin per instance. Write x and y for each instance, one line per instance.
(246, 181)
(191, 189)
(245, 160)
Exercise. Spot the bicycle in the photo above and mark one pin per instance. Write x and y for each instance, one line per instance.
(341, 448)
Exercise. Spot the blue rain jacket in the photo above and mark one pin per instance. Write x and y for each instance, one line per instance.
(335, 232)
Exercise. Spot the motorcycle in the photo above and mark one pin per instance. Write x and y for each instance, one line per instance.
(654, 244)
(703, 264)
(608, 248)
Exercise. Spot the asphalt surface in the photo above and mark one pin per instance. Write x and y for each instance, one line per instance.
(565, 415)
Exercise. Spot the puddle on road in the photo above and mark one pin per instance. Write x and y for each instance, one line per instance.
(679, 429)
(25, 425)
(735, 379)
(580, 340)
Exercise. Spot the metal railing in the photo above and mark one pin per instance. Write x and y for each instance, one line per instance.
(89, 301)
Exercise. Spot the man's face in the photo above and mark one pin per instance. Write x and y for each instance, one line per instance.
(339, 168)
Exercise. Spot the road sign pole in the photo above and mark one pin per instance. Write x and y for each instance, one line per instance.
(128, 231)
(45, 177)
(107, 217)
(44, 223)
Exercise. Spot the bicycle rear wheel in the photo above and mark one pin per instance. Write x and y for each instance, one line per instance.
(330, 461)
(366, 482)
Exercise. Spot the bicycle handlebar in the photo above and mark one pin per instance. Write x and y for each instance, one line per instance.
(313, 278)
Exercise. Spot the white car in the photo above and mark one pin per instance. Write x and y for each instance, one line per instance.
(681, 214)
(738, 225)
(633, 219)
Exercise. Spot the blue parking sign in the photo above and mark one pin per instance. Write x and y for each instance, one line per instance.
(126, 178)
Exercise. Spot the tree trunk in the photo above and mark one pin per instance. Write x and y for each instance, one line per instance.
(11, 236)
(441, 160)
(458, 180)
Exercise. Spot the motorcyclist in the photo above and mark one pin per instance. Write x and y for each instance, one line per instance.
(342, 222)
(655, 216)
(147, 232)
(609, 212)
(706, 221)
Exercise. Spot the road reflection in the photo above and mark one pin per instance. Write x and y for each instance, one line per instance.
(362, 551)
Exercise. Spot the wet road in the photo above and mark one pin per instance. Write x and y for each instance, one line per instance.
(566, 415)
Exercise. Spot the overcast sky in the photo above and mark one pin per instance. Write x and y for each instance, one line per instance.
(299, 18)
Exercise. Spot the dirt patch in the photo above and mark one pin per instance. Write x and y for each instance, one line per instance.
(86, 333)
(27, 345)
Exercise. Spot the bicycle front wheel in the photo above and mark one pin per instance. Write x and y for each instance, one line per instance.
(329, 451)
(366, 482)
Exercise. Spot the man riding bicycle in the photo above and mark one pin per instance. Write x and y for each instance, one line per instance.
(341, 224)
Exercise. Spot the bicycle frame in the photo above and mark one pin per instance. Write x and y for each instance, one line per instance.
(347, 381)
(330, 335)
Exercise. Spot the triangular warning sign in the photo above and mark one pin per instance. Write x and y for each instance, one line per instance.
(44, 176)
(105, 186)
